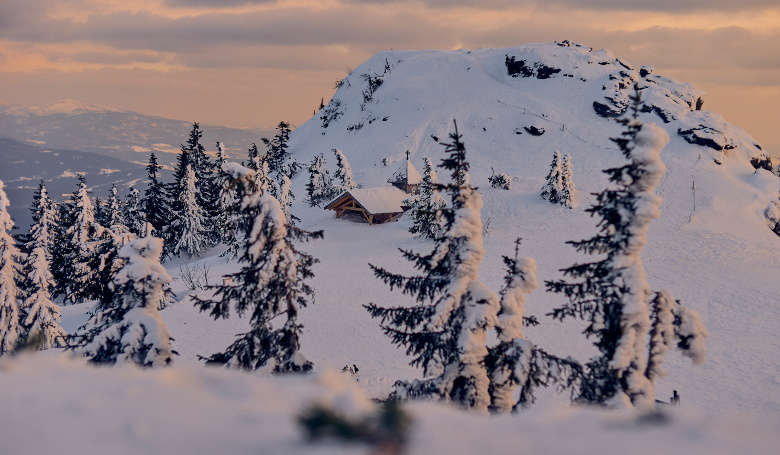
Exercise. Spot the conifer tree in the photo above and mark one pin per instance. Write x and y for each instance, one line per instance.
(516, 363)
(42, 320)
(229, 216)
(318, 187)
(342, 178)
(135, 218)
(115, 215)
(207, 187)
(75, 278)
(253, 158)
(612, 295)
(153, 203)
(100, 211)
(553, 183)
(278, 156)
(10, 268)
(187, 223)
(426, 207)
(568, 190)
(45, 215)
(271, 284)
(126, 326)
(445, 331)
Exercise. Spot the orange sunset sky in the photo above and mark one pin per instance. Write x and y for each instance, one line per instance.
(251, 63)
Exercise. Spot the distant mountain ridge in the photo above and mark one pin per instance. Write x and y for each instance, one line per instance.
(126, 135)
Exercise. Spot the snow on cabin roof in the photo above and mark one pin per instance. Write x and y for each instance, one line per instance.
(406, 173)
(383, 199)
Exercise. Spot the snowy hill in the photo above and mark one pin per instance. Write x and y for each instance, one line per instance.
(720, 259)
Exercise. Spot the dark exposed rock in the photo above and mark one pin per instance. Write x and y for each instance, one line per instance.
(544, 71)
(534, 131)
(762, 162)
(699, 103)
(706, 136)
(645, 70)
(605, 110)
(519, 68)
(663, 114)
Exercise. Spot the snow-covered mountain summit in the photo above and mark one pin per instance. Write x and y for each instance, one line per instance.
(515, 106)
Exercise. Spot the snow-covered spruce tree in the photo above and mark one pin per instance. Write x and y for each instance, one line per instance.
(445, 331)
(286, 200)
(553, 183)
(115, 215)
(279, 158)
(426, 207)
(318, 188)
(187, 222)
(500, 181)
(207, 186)
(228, 216)
(342, 178)
(100, 210)
(135, 219)
(126, 326)
(271, 284)
(45, 218)
(612, 295)
(74, 276)
(516, 363)
(568, 191)
(254, 158)
(42, 316)
(10, 268)
(154, 201)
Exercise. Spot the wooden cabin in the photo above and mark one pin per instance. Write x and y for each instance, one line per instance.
(406, 178)
(374, 205)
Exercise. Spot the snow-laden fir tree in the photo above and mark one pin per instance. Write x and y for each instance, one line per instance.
(42, 316)
(516, 363)
(342, 178)
(254, 158)
(568, 190)
(115, 215)
(553, 183)
(229, 216)
(499, 180)
(45, 218)
(286, 199)
(10, 268)
(207, 185)
(445, 330)
(612, 295)
(426, 207)
(279, 158)
(154, 202)
(187, 223)
(100, 210)
(76, 249)
(271, 286)
(318, 188)
(126, 327)
(135, 218)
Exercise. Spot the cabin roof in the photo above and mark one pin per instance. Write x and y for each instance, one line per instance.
(383, 199)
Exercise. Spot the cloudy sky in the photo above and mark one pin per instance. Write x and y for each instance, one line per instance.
(255, 62)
